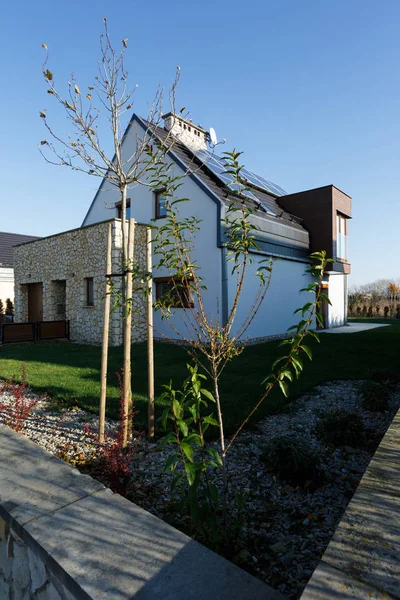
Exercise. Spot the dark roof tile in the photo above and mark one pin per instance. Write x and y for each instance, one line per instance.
(7, 243)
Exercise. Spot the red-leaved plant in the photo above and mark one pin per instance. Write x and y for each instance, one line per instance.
(15, 411)
(113, 463)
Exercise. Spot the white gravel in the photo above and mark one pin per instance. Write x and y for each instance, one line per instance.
(286, 528)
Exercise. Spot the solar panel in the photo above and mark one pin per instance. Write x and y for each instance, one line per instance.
(218, 166)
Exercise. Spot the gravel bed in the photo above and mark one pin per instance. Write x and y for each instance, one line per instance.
(287, 528)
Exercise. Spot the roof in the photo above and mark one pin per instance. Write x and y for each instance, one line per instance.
(221, 191)
(7, 243)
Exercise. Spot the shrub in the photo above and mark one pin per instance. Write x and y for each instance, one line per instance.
(9, 307)
(369, 313)
(375, 396)
(341, 428)
(112, 465)
(15, 413)
(386, 311)
(1, 307)
(377, 308)
(290, 458)
(358, 310)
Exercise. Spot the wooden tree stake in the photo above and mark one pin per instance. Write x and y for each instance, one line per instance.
(106, 329)
(150, 349)
(128, 336)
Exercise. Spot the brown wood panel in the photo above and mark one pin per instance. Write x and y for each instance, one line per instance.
(35, 301)
(315, 208)
(49, 330)
(18, 332)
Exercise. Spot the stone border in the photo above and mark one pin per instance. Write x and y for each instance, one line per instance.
(96, 545)
(363, 558)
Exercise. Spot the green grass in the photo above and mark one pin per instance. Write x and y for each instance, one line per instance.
(70, 372)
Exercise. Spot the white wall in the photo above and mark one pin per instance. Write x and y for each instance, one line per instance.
(207, 254)
(336, 294)
(6, 284)
(282, 299)
(283, 296)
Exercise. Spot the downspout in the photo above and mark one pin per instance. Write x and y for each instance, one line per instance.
(224, 290)
(221, 238)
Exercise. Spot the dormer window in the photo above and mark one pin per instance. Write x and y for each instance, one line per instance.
(341, 237)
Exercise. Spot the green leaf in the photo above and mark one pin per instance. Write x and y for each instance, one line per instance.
(288, 374)
(183, 427)
(177, 409)
(190, 473)
(215, 455)
(211, 420)
(164, 418)
(188, 450)
(284, 387)
(207, 394)
(171, 462)
(193, 437)
(307, 350)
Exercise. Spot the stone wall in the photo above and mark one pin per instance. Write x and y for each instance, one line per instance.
(63, 263)
(23, 576)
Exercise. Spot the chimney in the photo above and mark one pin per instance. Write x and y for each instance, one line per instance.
(193, 136)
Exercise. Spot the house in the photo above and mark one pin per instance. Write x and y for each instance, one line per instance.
(289, 228)
(62, 278)
(7, 243)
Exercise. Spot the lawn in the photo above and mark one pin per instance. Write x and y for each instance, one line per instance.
(70, 372)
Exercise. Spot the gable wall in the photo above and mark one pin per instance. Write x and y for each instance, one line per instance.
(207, 254)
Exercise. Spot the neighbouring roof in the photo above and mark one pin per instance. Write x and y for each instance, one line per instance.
(207, 177)
(7, 243)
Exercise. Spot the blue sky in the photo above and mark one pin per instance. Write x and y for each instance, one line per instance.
(310, 91)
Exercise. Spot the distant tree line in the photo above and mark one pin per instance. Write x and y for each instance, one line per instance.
(380, 298)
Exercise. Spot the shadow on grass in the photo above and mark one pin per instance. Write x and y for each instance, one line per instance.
(71, 372)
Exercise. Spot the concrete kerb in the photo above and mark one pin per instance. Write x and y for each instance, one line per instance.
(363, 558)
(101, 546)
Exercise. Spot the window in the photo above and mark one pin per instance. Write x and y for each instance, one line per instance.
(128, 209)
(341, 237)
(161, 204)
(173, 294)
(89, 291)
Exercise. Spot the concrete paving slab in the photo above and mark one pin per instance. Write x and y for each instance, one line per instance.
(114, 549)
(354, 328)
(34, 482)
(328, 583)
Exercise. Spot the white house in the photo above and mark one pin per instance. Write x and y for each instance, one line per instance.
(290, 228)
(7, 243)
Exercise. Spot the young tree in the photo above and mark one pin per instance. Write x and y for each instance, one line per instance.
(211, 341)
(1, 307)
(108, 99)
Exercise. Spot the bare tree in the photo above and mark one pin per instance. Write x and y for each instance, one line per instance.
(108, 98)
